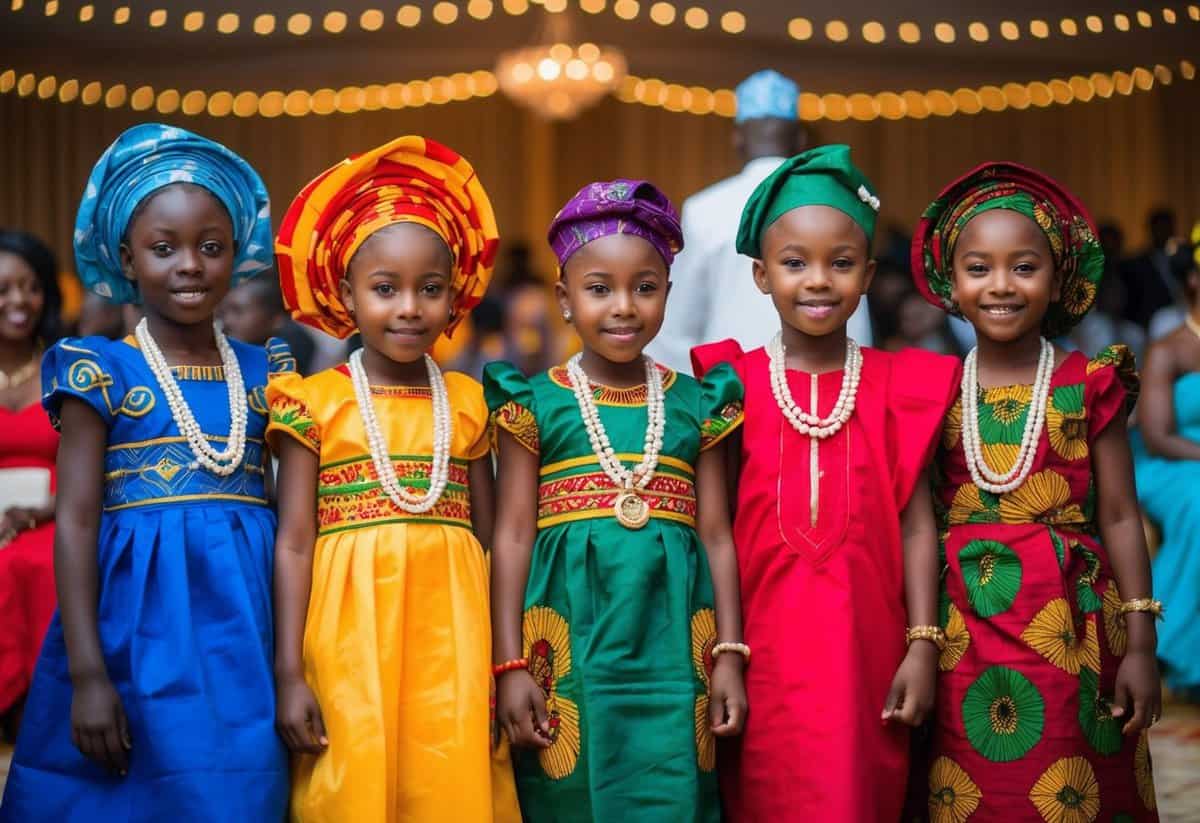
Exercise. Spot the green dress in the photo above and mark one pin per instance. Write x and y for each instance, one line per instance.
(619, 623)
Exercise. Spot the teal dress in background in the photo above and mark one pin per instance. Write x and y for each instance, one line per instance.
(619, 623)
(1169, 491)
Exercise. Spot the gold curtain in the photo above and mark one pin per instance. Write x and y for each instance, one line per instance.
(1123, 156)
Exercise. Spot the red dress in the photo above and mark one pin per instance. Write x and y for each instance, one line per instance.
(1023, 727)
(27, 563)
(823, 597)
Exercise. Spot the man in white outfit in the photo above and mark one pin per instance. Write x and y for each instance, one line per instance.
(713, 295)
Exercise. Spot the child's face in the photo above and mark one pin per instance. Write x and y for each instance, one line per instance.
(397, 287)
(247, 314)
(616, 289)
(179, 249)
(815, 267)
(1004, 277)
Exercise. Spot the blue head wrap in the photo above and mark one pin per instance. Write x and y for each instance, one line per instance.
(767, 93)
(144, 159)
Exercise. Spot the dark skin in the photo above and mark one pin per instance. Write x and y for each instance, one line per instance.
(179, 248)
(1004, 281)
(614, 289)
(816, 266)
(397, 288)
(1174, 356)
(21, 304)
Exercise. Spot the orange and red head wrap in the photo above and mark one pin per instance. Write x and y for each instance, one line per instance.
(408, 180)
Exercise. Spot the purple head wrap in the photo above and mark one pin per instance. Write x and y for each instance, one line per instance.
(618, 207)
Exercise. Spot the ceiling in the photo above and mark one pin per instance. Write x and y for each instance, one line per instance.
(136, 52)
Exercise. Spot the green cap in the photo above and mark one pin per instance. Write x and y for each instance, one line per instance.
(823, 176)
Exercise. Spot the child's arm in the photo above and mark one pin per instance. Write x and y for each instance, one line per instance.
(98, 725)
(298, 715)
(483, 500)
(520, 704)
(727, 703)
(911, 695)
(1156, 408)
(1119, 519)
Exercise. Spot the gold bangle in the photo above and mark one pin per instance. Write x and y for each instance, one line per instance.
(1143, 604)
(740, 648)
(933, 634)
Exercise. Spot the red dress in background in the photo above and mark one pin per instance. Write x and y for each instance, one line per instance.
(27, 597)
(823, 604)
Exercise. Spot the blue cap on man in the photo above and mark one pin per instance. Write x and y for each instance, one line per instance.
(767, 93)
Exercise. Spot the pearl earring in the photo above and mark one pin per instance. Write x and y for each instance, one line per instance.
(567, 316)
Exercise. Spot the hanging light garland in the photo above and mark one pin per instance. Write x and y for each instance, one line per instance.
(695, 16)
(699, 100)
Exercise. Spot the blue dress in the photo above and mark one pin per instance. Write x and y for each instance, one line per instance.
(1167, 492)
(184, 613)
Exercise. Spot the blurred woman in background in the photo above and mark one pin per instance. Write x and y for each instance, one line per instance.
(29, 321)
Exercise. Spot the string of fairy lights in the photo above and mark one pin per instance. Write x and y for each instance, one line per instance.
(697, 100)
(730, 21)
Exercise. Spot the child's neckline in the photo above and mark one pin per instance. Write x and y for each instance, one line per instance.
(1053, 377)
(389, 390)
(613, 395)
(206, 372)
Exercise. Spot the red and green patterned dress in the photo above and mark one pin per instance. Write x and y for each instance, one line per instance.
(1030, 607)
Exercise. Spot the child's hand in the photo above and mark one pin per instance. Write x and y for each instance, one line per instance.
(1137, 688)
(298, 717)
(98, 726)
(521, 710)
(727, 696)
(911, 696)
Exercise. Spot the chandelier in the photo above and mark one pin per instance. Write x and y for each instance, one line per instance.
(556, 79)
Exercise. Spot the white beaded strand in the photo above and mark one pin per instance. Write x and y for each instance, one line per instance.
(1035, 421)
(221, 462)
(640, 475)
(439, 475)
(812, 424)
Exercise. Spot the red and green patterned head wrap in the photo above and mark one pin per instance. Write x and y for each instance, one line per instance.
(1078, 257)
(407, 180)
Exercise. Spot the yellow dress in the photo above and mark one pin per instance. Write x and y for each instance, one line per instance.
(397, 644)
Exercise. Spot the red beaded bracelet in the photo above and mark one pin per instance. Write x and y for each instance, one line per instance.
(510, 665)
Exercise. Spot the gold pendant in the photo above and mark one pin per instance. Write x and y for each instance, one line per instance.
(631, 511)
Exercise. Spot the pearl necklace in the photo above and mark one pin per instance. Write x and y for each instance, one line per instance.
(630, 509)
(812, 424)
(439, 475)
(1035, 420)
(221, 462)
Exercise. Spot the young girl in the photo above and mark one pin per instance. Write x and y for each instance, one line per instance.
(610, 478)
(152, 699)
(382, 667)
(1167, 459)
(837, 549)
(1047, 679)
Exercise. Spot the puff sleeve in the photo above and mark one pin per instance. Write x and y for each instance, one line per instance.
(722, 403)
(1111, 387)
(923, 387)
(709, 355)
(279, 357)
(511, 403)
(79, 367)
(289, 412)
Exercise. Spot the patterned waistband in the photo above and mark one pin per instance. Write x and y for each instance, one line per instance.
(160, 471)
(590, 494)
(349, 495)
